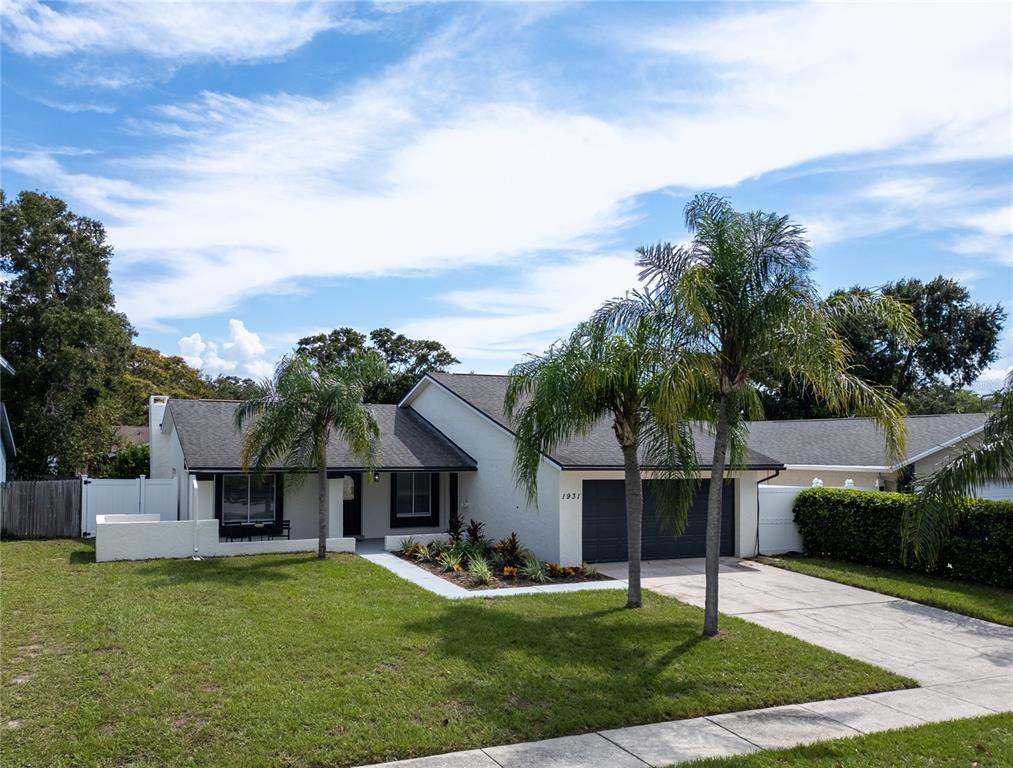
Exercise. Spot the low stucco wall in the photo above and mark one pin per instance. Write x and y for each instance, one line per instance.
(393, 543)
(152, 539)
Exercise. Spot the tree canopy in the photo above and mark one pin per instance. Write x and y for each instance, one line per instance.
(406, 359)
(957, 339)
(62, 334)
(149, 372)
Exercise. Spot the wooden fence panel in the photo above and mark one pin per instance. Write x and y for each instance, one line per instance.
(40, 509)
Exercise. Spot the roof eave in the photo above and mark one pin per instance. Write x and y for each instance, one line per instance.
(941, 447)
(840, 467)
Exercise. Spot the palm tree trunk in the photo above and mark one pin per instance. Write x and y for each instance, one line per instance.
(323, 511)
(713, 544)
(634, 522)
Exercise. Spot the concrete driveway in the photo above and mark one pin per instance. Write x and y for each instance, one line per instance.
(936, 648)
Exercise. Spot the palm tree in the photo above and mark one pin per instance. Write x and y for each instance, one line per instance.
(751, 313)
(928, 520)
(592, 375)
(303, 406)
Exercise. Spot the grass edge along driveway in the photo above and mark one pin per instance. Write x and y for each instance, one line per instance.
(981, 742)
(286, 660)
(979, 601)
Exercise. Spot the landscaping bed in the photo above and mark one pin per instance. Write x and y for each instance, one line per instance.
(471, 561)
(288, 660)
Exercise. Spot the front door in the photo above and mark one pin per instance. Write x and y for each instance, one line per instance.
(352, 524)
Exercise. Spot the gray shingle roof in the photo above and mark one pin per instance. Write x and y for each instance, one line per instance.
(597, 449)
(133, 435)
(407, 441)
(855, 442)
(823, 442)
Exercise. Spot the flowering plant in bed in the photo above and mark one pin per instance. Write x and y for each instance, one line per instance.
(472, 561)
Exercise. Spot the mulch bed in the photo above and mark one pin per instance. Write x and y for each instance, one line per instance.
(463, 579)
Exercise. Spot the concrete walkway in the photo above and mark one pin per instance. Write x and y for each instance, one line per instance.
(964, 665)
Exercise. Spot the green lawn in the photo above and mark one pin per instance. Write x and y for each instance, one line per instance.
(977, 600)
(286, 660)
(983, 742)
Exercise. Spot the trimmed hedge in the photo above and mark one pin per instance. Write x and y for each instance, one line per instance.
(865, 527)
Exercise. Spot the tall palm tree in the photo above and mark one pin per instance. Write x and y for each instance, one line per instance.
(929, 519)
(593, 375)
(751, 313)
(303, 406)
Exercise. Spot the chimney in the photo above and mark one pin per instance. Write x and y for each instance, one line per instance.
(158, 444)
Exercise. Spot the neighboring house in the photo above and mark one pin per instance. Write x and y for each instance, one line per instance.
(129, 435)
(837, 450)
(7, 449)
(448, 449)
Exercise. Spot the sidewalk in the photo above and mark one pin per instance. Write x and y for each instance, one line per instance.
(735, 733)
(966, 666)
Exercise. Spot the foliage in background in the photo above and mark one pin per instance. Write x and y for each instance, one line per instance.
(128, 461)
(234, 388)
(149, 372)
(62, 335)
(407, 359)
(746, 309)
(936, 508)
(866, 527)
(941, 398)
(957, 339)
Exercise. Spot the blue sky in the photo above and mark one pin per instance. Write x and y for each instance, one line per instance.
(481, 174)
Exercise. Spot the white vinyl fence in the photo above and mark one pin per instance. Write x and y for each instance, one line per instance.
(777, 532)
(139, 496)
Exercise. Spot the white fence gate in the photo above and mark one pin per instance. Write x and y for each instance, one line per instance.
(138, 496)
(777, 530)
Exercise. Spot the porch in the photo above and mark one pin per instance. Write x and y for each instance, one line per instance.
(362, 505)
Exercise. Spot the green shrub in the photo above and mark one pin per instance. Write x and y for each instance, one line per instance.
(534, 569)
(865, 527)
(422, 553)
(479, 570)
(408, 546)
(508, 552)
(451, 561)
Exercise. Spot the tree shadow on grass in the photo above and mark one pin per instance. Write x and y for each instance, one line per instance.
(533, 675)
(84, 554)
(222, 571)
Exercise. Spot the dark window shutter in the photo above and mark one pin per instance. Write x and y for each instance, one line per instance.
(434, 501)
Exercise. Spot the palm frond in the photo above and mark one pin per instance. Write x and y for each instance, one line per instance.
(938, 497)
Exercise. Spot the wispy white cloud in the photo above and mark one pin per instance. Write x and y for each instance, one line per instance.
(74, 107)
(457, 157)
(499, 325)
(232, 31)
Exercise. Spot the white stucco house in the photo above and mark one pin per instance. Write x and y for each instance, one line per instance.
(447, 449)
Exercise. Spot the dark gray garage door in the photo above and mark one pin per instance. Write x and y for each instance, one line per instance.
(604, 524)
